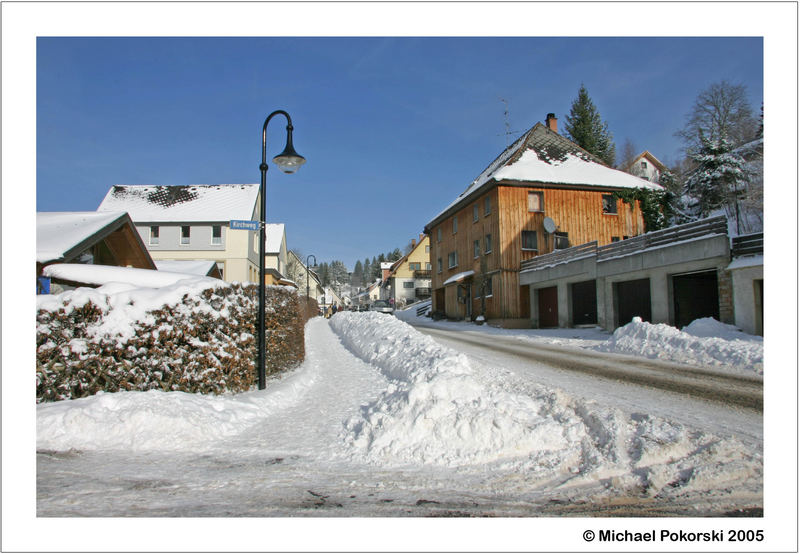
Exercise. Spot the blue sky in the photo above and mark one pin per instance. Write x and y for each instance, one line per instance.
(393, 128)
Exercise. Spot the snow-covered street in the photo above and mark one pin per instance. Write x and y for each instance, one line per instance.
(382, 420)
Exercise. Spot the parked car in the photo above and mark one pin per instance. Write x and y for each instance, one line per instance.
(381, 306)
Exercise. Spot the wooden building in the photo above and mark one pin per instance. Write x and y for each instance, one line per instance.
(542, 193)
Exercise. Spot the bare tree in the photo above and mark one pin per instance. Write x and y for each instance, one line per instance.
(628, 154)
(722, 111)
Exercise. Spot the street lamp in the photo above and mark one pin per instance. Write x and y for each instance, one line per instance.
(287, 161)
(307, 270)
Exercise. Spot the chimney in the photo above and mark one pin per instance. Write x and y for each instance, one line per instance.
(421, 237)
(413, 243)
(551, 122)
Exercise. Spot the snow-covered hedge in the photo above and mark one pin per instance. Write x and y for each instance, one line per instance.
(194, 339)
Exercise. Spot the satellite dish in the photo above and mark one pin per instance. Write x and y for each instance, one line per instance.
(549, 225)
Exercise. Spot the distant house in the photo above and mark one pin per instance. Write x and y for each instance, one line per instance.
(92, 238)
(304, 277)
(646, 166)
(409, 278)
(192, 222)
(369, 295)
(543, 193)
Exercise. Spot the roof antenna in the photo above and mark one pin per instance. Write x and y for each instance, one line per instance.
(507, 124)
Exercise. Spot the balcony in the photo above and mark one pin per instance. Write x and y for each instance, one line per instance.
(422, 292)
(422, 274)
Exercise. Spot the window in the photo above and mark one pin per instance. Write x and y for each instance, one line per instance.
(408, 284)
(216, 234)
(439, 234)
(561, 240)
(428, 249)
(414, 266)
(455, 225)
(487, 291)
(185, 234)
(614, 239)
(154, 234)
(476, 248)
(609, 204)
(438, 265)
(475, 213)
(487, 247)
(535, 201)
(644, 165)
(529, 241)
(452, 259)
(487, 205)
(428, 266)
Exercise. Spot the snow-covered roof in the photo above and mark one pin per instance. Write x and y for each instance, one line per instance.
(59, 232)
(459, 277)
(544, 157)
(104, 274)
(190, 267)
(182, 203)
(275, 233)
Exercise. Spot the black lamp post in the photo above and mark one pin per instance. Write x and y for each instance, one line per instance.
(307, 270)
(287, 161)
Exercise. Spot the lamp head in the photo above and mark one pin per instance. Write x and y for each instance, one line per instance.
(289, 161)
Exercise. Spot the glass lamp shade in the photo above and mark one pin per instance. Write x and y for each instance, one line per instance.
(289, 160)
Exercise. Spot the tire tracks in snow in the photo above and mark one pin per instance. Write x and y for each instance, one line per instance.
(733, 390)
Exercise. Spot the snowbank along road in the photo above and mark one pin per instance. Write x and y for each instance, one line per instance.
(381, 420)
(737, 390)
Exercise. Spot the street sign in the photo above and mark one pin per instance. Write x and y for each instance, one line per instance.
(244, 224)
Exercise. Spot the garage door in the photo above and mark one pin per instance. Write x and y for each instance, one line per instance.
(632, 299)
(695, 296)
(548, 307)
(584, 303)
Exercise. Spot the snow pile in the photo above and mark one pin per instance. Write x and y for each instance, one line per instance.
(437, 412)
(434, 410)
(703, 342)
(156, 420)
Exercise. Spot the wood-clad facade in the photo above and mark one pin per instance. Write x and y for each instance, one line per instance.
(498, 230)
(480, 242)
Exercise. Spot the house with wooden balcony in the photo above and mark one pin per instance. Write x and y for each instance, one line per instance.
(409, 278)
(543, 193)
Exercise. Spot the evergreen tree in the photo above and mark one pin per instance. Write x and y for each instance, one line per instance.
(584, 127)
(367, 275)
(357, 278)
(719, 179)
(394, 255)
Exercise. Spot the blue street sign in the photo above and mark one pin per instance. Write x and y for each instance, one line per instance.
(244, 224)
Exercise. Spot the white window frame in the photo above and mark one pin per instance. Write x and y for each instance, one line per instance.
(455, 224)
(475, 213)
(487, 243)
(216, 240)
(155, 236)
(187, 239)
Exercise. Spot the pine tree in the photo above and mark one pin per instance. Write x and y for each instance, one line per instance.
(584, 127)
(719, 179)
